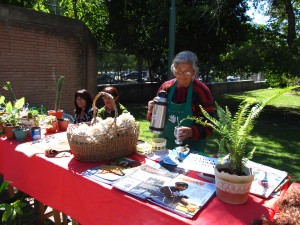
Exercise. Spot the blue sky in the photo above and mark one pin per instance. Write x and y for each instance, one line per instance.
(257, 17)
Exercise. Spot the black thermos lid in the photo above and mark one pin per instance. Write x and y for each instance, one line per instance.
(162, 94)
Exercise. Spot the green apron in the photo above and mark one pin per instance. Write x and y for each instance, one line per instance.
(181, 111)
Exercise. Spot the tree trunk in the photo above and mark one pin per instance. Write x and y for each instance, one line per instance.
(291, 25)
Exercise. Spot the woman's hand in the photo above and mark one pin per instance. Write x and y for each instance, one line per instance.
(149, 112)
(184, 133)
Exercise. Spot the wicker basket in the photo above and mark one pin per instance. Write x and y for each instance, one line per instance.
(118, 142)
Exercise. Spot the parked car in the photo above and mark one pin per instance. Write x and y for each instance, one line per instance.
(134, 75)
(232, 78)
(106, 79)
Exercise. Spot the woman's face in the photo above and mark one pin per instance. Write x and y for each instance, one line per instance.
(81, 102)
(184, 74)
(108, 102)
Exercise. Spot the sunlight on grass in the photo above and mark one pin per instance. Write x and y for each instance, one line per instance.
(145, 133)
(290, 99)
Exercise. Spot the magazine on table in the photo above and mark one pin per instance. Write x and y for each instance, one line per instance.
(184, 195)
(144, 181)
(175, 192)
(112, 170)
(266, 179)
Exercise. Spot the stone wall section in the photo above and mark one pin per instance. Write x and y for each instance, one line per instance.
(36, 48)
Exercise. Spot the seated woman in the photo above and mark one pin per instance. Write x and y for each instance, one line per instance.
(83, 106)
(108, 109)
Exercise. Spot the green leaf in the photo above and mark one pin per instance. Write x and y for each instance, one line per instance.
(8, 212)
(3, 186)
(8, 107)
(2, 100)
(2, 206)
(8, 87)
(20, 103)
(18, 205)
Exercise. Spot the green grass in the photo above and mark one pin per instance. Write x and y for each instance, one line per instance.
(276, 134)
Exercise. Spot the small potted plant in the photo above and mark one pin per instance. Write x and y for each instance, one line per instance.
(233, 177)
(35, 129)
(11, 118)
(50, 123)
(58, 112)
(27, 119)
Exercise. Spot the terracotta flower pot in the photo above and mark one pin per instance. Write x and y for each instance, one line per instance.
(231, 188)
(58, 114)
(63, 124)
(9, 131)
(53, 128)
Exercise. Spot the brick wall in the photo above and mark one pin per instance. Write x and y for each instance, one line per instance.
(36, 48)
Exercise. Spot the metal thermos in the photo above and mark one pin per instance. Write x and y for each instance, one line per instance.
(159, 113)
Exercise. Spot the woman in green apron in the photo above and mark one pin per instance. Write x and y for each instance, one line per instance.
(185, 94)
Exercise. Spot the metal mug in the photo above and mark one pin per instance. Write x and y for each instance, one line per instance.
(176, 133)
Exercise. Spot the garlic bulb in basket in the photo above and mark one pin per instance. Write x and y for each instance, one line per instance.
(102, 129)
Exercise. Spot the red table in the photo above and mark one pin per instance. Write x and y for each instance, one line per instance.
(57, 182)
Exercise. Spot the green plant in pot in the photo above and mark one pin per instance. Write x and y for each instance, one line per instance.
(27, 119)
(233, 177)
(49, 121)
(12, 117)
(36, 132)
(58, 112)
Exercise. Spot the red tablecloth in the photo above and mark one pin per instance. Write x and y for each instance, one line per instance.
(57, 182)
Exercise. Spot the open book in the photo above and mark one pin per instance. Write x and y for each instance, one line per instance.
(175, 192)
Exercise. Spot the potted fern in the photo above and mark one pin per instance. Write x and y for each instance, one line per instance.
(233, 177)
(58, 112)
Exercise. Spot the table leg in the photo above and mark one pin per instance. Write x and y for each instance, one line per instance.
(44, 213)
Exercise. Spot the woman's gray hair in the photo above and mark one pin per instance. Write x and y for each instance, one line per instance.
(185, 57)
